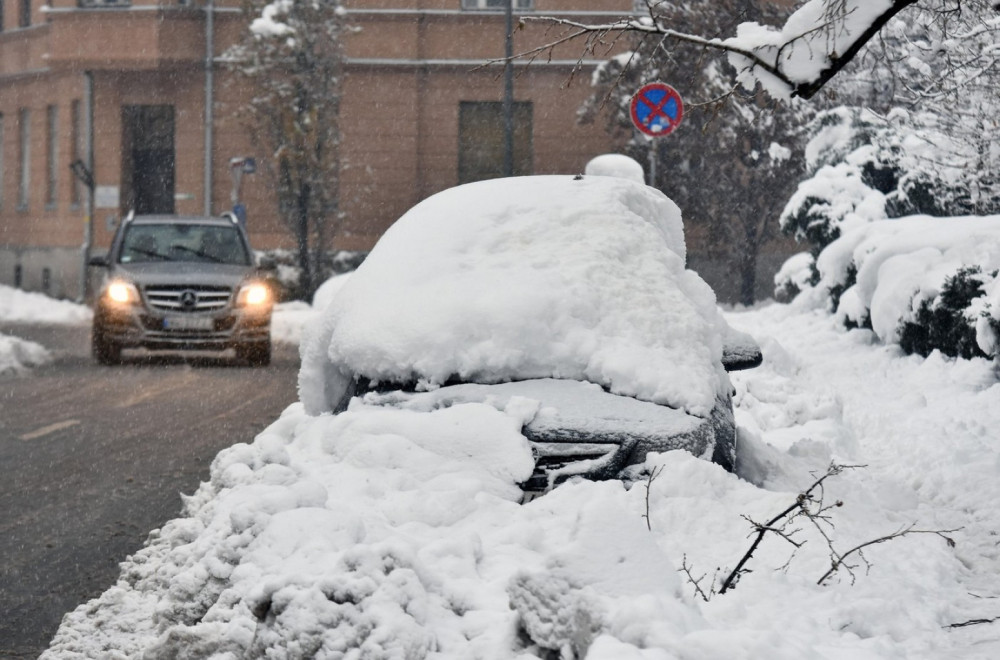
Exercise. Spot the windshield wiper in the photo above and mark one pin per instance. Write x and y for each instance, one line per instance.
(203, 255)
(151, 253)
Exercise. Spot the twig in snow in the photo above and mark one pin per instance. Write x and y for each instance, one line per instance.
(972, 622)
(839, 561)
(811, 496)
(649, 482)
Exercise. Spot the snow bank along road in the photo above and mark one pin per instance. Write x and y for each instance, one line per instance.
(94, 458)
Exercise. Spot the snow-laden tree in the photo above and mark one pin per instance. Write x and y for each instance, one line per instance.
(794, 56)
(293, 54)
(734, 160)
(920, 134)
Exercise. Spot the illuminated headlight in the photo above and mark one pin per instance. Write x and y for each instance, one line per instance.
(123, 293)
(253, 294)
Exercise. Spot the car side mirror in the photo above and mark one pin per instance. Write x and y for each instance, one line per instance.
(99, 261)
(268, 263)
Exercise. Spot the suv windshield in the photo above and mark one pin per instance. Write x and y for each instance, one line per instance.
(183, 242)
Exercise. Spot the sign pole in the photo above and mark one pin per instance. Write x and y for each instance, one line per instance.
(656, 110)
(652, 162)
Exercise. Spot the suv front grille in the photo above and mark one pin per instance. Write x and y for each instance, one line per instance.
(198, 298)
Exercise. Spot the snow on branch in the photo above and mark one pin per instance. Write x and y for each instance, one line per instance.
(798, 59)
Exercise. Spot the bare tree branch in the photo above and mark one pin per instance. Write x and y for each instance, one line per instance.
(775, 59)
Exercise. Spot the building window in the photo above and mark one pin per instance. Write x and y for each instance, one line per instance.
(18, 275)
(24, 20)
(23, 157)
(51, 153)
(47, 280)
(481, 140)
(148, 158)
(76, 150)
(497, 4)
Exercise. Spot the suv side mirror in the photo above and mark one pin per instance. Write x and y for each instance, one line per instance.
(99, 261)
(268, 263)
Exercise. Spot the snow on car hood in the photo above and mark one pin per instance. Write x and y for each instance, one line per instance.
(529, 277)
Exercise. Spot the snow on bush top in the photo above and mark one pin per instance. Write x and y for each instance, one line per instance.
(902, 262)
(529, 277)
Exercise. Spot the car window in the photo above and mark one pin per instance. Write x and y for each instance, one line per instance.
(183, 242)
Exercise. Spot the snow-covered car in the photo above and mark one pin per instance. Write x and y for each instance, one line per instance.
(185, 283)
(568, 295)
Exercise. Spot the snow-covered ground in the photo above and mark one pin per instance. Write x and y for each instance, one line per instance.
(399, 534)
(18, 355)
(18, 306)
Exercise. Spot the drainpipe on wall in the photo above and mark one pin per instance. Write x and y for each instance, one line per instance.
(209, 100)
(88, 158)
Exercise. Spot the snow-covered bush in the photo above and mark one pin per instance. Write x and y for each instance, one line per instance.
(923, 283)
(797, 274)
(866, 167)
(288, 273)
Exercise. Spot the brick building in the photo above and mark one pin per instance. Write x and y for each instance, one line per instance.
(128, 81)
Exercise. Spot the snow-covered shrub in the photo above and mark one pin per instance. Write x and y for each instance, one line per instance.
(866, 167)
(796, 274)
(287, 271)
(923, 283)
(945, 323)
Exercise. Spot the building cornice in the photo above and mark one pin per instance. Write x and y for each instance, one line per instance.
(140, 8)
(27, 73)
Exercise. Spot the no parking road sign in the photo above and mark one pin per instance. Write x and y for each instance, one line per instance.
(657, 109)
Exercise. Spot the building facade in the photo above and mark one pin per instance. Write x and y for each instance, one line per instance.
(134, 98)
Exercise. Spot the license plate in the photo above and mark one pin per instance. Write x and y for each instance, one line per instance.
(188, 323)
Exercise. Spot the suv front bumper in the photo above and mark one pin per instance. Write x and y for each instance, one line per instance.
(137, 327)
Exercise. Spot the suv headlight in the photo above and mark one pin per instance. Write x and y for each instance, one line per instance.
(253, 294)
(122, 292)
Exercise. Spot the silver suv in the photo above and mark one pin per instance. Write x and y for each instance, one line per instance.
(185, 283)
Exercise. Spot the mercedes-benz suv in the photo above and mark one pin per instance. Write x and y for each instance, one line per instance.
(184, 283)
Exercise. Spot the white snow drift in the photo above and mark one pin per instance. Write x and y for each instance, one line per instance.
(387, 533)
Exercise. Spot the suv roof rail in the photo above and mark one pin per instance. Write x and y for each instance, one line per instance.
(229, 215)
(131, 216)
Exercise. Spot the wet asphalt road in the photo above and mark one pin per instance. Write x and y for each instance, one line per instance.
(92, 458)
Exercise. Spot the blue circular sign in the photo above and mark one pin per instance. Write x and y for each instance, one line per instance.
(657, 109)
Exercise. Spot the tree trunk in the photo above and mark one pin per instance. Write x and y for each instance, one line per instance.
(302, 234)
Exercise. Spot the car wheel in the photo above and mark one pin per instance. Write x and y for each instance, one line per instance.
(105, 351)
(257, 354)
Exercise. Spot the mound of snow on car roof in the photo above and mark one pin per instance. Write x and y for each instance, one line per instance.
(618, 165)
(551, 276)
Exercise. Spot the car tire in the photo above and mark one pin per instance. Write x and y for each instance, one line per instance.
(256, 354)
(105, 351)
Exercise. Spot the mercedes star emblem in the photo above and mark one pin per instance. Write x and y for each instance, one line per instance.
(189, 299)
